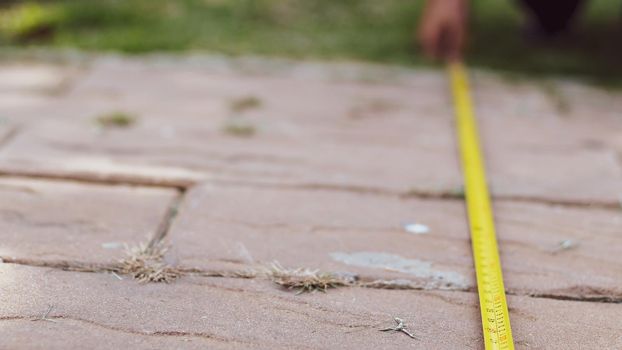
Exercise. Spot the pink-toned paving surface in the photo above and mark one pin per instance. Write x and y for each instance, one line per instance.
(239, 163)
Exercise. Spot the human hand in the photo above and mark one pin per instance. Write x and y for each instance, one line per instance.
(442, 32)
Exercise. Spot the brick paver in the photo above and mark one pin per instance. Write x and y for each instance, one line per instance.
(345, 134)
(233, 313)
(365, 234)
(339, 167)
(328, 230)
(54, 220)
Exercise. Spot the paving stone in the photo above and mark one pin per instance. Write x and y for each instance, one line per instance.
(26, 86)
(241, 313)
(6, 130)
(33, 76)
(15, 102)
(199, 153)
(307, 131)
(394, 134)
(554, 158)
(534, 259)
(20, 333)
(328, 230)
(221, 226)
(579, 176)
(237, 313)
(50, 220)
(544, 100)
(316, 186)
(554, 140)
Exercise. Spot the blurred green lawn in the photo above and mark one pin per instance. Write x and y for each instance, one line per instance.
(368, 30)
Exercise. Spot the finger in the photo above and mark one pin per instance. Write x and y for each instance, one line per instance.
(444, 42)
(454, 48)
(429, 42)
(459, 43)
(460, 36)
(423, 38)
(453, 43)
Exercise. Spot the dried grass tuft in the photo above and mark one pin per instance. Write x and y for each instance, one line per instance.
(146, 264)
(305, 280)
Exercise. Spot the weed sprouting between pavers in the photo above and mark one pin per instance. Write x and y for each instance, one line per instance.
(306, 280)
(146, 264)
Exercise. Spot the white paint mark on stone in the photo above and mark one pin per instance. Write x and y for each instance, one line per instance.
(392, 262)
(417, 229)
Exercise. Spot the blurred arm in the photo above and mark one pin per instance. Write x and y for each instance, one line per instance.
(442, 31)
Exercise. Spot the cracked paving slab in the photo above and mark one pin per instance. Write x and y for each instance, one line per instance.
(234, 226)
(234, 313)
(56, 220)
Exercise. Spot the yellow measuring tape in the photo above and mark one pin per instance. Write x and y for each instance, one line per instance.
(492, 301)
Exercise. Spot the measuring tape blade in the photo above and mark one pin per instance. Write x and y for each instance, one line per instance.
(493, 304)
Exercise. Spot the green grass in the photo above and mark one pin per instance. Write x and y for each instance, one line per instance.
(243, 104)
(115, 120)
(239, 128)
(368, 30)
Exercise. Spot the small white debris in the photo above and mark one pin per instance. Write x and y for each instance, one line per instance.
(565, 245)
(416, 228)
(116, 275)
(45, 315)
(399, 327)
(112, 245)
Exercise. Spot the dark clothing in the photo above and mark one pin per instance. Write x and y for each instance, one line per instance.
(552, 16)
